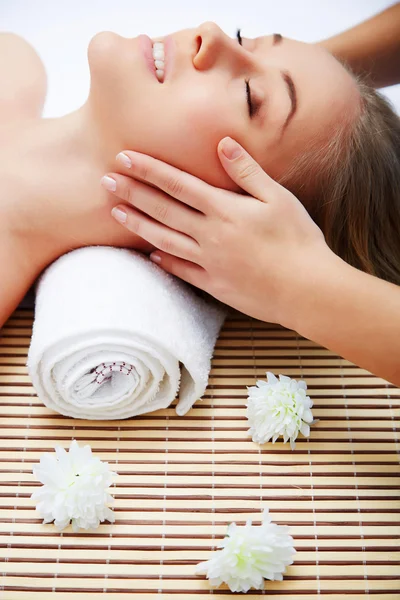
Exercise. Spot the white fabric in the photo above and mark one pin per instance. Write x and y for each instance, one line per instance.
(110, 331)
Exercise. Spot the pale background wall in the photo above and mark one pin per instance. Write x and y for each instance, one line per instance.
(60, 30)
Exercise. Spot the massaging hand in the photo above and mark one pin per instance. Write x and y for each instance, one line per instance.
(254, 252)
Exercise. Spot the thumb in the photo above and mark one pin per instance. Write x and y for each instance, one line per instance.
(244, 170)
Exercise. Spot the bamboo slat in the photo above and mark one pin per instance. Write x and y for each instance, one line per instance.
(183, 479)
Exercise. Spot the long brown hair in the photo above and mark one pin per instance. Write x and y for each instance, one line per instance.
(355, 180)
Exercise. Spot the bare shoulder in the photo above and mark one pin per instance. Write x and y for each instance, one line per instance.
(23, 80)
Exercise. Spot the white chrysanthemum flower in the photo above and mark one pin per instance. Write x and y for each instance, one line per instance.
(74, 488)
(250, 555)
(277, 408)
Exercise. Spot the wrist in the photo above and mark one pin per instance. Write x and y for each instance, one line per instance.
(319, 276)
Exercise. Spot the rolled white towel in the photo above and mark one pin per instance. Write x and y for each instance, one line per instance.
(110, 331)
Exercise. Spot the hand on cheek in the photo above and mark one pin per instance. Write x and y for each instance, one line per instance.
(249, 251)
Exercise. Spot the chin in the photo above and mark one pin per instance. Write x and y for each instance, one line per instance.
(103, 50)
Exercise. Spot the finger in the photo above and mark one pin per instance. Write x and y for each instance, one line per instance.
(245, 171)
(155, 204)
(161, 237)
(184, 269)
(176, 183)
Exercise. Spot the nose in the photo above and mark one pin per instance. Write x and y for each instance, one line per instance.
(215, 47)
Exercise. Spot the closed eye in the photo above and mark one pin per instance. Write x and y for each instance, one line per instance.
(250, 103)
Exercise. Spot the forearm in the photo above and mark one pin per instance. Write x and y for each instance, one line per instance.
(371, 48)
(351, 313)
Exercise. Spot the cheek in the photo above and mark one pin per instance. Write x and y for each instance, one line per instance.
(181, 125)
(197, 123)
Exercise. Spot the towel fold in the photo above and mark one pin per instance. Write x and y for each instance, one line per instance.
(110, 331)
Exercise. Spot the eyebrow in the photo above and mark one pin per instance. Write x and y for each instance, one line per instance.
(277, 39)
(293, 97)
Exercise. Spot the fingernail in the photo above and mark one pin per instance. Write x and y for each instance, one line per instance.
(155, 258)
(119, 214)
(109, 183)
(230, 148)
(124, 158)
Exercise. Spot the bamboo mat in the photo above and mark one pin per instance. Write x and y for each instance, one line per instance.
(183, 479)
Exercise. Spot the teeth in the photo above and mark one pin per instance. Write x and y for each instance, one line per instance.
(159, 56)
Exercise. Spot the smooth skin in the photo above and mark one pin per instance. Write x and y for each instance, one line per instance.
(21, 100)
(262, 254)
(51, 202)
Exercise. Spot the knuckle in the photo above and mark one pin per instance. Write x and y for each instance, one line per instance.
(130, 193)
(224, 214)
(249, 170)
(194, 252)
(142, 171)
(166, 246)
(135, 226)
(214, 241)
(174, 187)
(161, 212)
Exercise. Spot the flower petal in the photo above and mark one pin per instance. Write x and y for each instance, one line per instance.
(75, 488)
(250, 555)
(278, 408)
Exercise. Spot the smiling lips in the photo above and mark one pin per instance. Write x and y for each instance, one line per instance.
(153, 54)
(159, 60)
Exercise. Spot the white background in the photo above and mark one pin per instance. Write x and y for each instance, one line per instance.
(60, 30)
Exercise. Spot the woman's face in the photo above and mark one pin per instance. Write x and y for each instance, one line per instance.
(298, 92)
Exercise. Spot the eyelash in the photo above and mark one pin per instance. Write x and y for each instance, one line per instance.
(247, 81)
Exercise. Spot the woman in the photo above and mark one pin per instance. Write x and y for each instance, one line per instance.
(287, 273)
(266, 94)
(206, 95)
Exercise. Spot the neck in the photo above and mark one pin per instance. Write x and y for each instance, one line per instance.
(52, 170)
(60, 156)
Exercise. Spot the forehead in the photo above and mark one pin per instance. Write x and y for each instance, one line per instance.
(321, 80)
(327, 97)
(326, 91)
